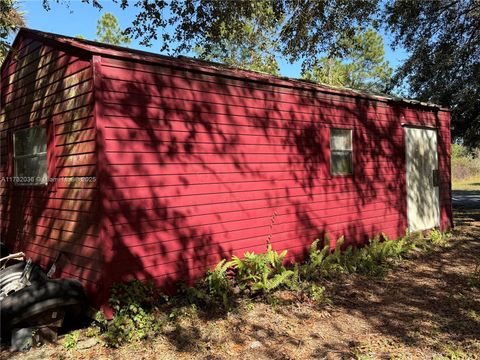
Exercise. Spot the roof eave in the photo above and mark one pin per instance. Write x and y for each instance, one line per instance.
(95, 48)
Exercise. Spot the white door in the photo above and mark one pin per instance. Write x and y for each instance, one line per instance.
(423, 205)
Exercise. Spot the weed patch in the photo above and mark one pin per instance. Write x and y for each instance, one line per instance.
(133, 304)
(465, 163)
(255, 275)
(71, 339)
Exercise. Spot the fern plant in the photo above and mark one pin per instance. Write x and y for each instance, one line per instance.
(371, 259)
(218, 284)
(438, 238)
(215, 288)
(313, 267)
(323, 263)
(261, 273)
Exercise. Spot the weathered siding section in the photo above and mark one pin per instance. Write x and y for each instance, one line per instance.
(202, 166)
(444, 167)
(43, 85)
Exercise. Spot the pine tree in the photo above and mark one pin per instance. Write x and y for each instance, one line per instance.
(362, 67)
(109, 32)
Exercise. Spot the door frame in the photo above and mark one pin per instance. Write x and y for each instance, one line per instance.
(407, 163)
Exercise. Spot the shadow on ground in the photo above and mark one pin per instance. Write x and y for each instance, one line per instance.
(429, 301)
(466, 199)
(427, 306)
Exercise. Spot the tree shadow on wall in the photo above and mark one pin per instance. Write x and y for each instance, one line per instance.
(201, 168)
(195, 168)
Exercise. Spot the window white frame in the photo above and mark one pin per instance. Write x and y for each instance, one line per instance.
(346, 152)
(22, 180)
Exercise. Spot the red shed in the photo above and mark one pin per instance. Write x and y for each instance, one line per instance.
(132, 164)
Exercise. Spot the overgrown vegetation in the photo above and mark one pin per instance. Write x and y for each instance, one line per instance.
(133, 304)
(371, 259)
(465, 164)
(136, 305)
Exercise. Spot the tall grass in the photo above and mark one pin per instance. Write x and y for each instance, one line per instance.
(465, 164)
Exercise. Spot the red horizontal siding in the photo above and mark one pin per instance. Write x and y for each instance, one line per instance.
(144, 79)
(199, 164)
(45, 85)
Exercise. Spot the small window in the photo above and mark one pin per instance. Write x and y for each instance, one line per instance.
(30, 156)
(341, 152)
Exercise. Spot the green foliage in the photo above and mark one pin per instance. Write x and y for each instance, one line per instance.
(304, 29)
(317, 294)
(11, 18)
(443, 42)
(92, 331)
(261, 273)
(218, 284)
(371, 259)
(133, 320)
(249, 47)
(465, 163)
(109, 32)
(441, 39)
(249, 307)
(363, 66)
(294, 282)
(459, 151)
(311, 269)
(135, 303)
(374, 258)
(322, 263)
(438, 238)
(215, 288)
(180, 311)
(429, 241)
(71, 339)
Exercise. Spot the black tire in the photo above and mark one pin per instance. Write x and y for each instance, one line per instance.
(11, 273)
(14, 272)
(24, 306)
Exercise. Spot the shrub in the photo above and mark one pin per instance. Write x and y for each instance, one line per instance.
(376, 256)
(133, 320)
(322, 263)
(429, 240)
(134, 303)
(459, 151)
(218, 283)
(438, 238)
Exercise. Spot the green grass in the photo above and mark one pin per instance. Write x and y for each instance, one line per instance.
(471, 184)
(465, 168)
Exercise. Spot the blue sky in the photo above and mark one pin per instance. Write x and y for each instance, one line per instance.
(81, 19)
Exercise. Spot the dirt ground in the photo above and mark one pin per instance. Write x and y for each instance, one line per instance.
(428, 307)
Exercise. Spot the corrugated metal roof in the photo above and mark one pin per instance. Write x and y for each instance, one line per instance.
(95, 47)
